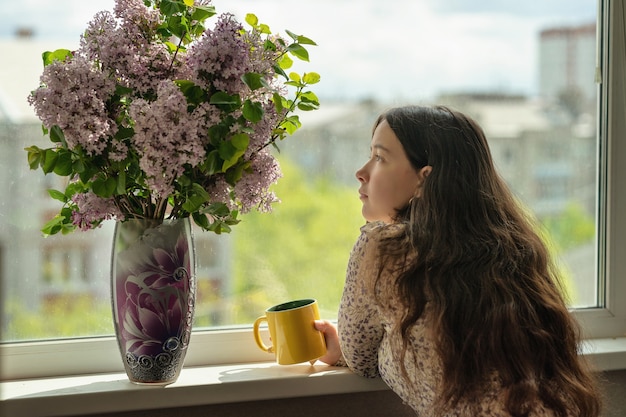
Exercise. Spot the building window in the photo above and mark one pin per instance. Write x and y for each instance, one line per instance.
(526, 74)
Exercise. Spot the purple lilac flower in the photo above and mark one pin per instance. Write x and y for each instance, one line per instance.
(221, 57)
(219, 191)
(93, 209)
(129, 51)
(252, 191)
(261, 59)
(73, 97)
(166, 137)
(207, 115)
(135, 14)
(119, 150)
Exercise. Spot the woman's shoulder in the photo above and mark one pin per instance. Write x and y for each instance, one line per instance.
(381, 230)
(376, 235)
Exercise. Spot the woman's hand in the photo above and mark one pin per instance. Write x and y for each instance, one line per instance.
(333, 350)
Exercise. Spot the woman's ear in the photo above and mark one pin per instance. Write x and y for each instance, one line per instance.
(421, 177)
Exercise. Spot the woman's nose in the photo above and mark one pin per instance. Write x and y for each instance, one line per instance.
(361, 174)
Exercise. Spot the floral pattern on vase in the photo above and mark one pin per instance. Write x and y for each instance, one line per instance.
(153, 288)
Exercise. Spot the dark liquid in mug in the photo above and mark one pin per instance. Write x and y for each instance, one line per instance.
(291, 305)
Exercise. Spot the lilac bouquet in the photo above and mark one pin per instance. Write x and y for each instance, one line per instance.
(157, 115)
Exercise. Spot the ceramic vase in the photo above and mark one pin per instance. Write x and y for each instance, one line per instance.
(153, 297)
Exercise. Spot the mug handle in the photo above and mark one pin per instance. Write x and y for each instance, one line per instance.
(257, 335)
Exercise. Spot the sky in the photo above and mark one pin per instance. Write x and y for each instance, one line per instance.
(380, 49)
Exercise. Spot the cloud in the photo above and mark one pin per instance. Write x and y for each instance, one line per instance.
(369, 48)
(57, 19)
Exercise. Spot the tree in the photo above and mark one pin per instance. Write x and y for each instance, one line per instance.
(300, 250)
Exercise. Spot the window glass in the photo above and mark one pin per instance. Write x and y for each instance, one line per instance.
(524, 71)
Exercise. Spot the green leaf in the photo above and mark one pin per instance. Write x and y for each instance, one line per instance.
(121, 90)
(279, 71)
(58, 195)
(78, 166)
(252, 20)
(294, 76)
(176, 26)
(196, 198)
(201, 220)
(192, 92)
(232, 150)
(53, 226)
(303, 40)
(278, 102)
(59, 55)
(104, 187)
(202, 13)
(63, 166)
(235, 174)
(268, 45)
(291, 35)
(253, 80)
(225, 101)
(291, 124)
(35, 156)
(121, 183)
(49, 160)
(221, 97)
(240, 141)
(124, 133)
(66, 226)
(311, 78)
(218, 210)
(212, 163)
(298, 51)
(188, 3)
(309, 96)
(74, 188)
(57, 136)
(184, 180)
(253, 111)
(193, 203)
(199, 190)
(218, 227)
(300, 39)
(169, 7)
(171, 47)
(285, 62)
(306, 106)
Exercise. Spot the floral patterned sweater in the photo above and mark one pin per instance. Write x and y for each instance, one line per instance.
(372, 348)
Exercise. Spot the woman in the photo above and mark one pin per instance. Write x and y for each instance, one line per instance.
(450, 294)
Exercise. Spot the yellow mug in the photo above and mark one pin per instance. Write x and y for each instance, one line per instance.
(293, 333)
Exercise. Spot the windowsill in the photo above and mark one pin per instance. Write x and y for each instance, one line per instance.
(107, 393)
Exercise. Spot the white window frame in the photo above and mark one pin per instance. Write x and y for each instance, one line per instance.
(236, 345)
(610, 320)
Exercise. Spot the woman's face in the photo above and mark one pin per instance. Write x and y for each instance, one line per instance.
(388, 181)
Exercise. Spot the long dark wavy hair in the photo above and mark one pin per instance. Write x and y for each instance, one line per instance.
(496, 299)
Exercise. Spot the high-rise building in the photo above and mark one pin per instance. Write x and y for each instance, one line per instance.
(567, 62)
